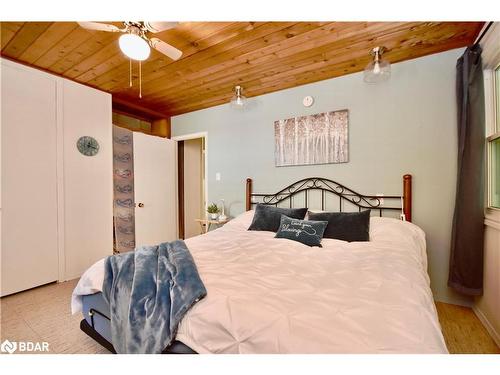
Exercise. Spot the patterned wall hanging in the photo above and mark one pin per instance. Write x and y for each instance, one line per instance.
(123, 182)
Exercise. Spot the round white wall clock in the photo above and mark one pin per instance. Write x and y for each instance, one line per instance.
(308, 101)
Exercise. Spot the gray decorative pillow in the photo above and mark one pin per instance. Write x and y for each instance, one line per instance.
(346, 226)
(307, 232)
(268, 217)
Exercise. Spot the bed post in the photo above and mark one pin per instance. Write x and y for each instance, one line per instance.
(407, 196)
(248, 199)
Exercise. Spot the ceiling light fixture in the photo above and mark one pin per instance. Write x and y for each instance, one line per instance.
(134, 46)
(238, 101)
(378, 70)
(135, 42)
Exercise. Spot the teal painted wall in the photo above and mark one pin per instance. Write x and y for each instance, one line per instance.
(405, 125)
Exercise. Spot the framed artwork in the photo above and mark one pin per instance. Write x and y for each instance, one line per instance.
(315, 139)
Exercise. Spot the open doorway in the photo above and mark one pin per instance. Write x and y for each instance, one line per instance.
(191, 183)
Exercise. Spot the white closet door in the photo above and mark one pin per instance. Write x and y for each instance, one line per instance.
(155, 185)
(88, 180)
(29, 180)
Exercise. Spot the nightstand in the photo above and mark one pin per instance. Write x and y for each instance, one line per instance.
(206, 223)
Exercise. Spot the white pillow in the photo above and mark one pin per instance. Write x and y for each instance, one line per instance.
(241, 222)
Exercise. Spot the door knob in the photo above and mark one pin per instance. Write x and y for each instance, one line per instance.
(141, 204)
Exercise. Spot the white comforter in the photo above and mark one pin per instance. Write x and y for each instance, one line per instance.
(268, 295)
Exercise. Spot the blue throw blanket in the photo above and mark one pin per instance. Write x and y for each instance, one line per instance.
(149, 290)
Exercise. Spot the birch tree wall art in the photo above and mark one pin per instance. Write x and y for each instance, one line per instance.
(316, 139)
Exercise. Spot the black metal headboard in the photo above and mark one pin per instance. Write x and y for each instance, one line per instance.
(397, 202)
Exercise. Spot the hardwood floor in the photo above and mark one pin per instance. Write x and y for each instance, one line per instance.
(43, 314)
(463, 331)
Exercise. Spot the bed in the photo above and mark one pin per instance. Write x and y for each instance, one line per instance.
(269, 295)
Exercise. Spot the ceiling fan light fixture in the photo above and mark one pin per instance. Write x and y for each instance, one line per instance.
(378, 70)
(135, 47)
(238, 101)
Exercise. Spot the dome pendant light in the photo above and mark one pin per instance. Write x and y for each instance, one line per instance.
(378, 70)
(134, 47)
(238, 101)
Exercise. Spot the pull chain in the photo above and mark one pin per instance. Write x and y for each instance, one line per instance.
(140, 77)
(130, 71)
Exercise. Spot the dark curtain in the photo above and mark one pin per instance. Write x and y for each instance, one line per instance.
(466, 258)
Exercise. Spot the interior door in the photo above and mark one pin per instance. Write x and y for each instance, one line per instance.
(155, 180)
(29, 182)
(193, 186)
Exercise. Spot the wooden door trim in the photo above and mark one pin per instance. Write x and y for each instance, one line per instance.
(204, 135)
(180, 188)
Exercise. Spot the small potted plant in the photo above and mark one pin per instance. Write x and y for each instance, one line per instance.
(213, 211)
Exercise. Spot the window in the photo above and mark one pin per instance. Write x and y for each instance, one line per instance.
(494, 147)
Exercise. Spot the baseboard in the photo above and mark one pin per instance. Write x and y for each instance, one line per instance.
(454, 299)
(486, 323)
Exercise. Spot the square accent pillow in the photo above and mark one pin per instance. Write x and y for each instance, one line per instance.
(307, 232)
(268, 217)
(346, 226)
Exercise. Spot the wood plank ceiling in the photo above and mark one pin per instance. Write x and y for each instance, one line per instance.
(261, 56)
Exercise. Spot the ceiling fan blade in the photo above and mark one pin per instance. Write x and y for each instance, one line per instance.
(99, 26)
(165, 48)
(158, 27)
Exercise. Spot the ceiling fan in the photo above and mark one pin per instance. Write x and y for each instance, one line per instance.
(135, 43)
